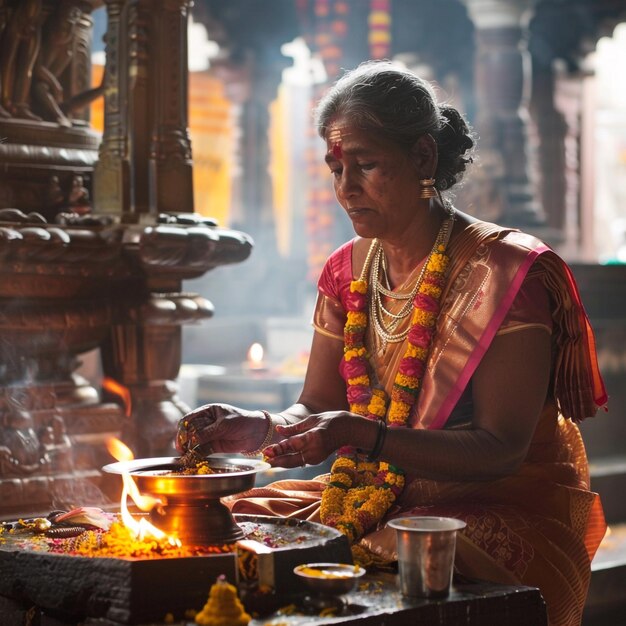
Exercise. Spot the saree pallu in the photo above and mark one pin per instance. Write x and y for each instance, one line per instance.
(542, 525)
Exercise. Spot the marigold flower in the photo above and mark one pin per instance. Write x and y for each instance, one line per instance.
(437, 263)
(359, 409)
(358, 286)
(340, 480)
(407, 381)
(359, 380)
(344, 462)
(356, 318)
(398, 411)
(368, 466)
(424, 318)
(377, 406)
(354, 353)
(416, 351)
(431, 290)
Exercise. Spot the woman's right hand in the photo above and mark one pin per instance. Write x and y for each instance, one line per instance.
(221, 428)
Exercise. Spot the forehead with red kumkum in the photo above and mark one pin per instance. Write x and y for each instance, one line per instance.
(335, 137)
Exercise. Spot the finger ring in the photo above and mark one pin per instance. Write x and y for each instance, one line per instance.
(303, 459)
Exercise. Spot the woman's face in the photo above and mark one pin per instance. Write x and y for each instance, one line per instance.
(376, 181)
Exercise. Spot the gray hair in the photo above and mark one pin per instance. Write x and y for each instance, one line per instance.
(402, 107)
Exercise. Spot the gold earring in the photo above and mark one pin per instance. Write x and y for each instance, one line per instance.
(427, 188)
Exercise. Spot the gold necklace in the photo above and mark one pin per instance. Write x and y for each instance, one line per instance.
(384, 321)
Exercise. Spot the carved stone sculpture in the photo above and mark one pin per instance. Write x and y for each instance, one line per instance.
(21, 41)
(56, 53)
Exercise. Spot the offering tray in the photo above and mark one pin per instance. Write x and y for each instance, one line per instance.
(190, 503)
(127, 590)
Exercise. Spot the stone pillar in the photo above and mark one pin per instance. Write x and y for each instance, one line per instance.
(254, 154)
(143, 354)
(145, 163)
(171, 185)
(140, 101)
(112, 173)
(551, 129)
(502, 92)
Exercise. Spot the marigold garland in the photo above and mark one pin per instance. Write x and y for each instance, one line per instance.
(359, 492)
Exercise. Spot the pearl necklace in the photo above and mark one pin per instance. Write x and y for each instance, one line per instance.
(379, 314)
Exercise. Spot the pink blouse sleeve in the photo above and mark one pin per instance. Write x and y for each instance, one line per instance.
(531, 307)
(329, 316)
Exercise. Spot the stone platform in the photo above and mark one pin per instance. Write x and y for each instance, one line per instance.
(125, 590)
(377, 602)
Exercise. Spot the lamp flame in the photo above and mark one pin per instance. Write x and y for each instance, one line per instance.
(118, 389)
(142, 528)
(255, 356)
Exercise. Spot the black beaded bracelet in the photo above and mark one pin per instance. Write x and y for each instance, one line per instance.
(380, 441)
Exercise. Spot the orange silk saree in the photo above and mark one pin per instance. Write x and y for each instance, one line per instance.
(540, 526)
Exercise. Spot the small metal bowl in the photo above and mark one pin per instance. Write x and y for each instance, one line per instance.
(329, 578)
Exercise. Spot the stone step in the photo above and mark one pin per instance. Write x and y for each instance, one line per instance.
(608, 478)
(606, 600)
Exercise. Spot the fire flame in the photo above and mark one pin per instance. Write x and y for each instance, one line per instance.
(255, 355)
(142, 529)
(119, 390)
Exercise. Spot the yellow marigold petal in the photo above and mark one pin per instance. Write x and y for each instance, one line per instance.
(407, 381)
(416, 352)
(359, 380)
(341, 477)
(353, 353)
(375, 401)
(377, 407)
(359, 286)
(424, 318)
(368, 466)
(438, 262)
(398, 411)
(431, 290)
(344, 461)
(359, 409)
(356, 318)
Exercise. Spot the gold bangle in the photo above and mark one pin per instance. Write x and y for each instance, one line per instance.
(268, 437)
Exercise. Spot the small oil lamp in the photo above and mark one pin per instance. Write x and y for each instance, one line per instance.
(254, 361)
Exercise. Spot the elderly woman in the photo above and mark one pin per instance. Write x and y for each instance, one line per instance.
(450, 363)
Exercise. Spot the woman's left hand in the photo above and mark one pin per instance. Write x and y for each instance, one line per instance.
(309, 441)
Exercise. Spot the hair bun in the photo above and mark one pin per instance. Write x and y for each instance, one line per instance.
(454, 142)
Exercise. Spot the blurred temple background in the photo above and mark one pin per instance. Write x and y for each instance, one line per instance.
(539, 82)
(543, 98)
(120, 112)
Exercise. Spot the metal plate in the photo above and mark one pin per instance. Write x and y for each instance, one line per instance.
(154, 475)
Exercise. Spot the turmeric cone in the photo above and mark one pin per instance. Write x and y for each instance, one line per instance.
(223, 608)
